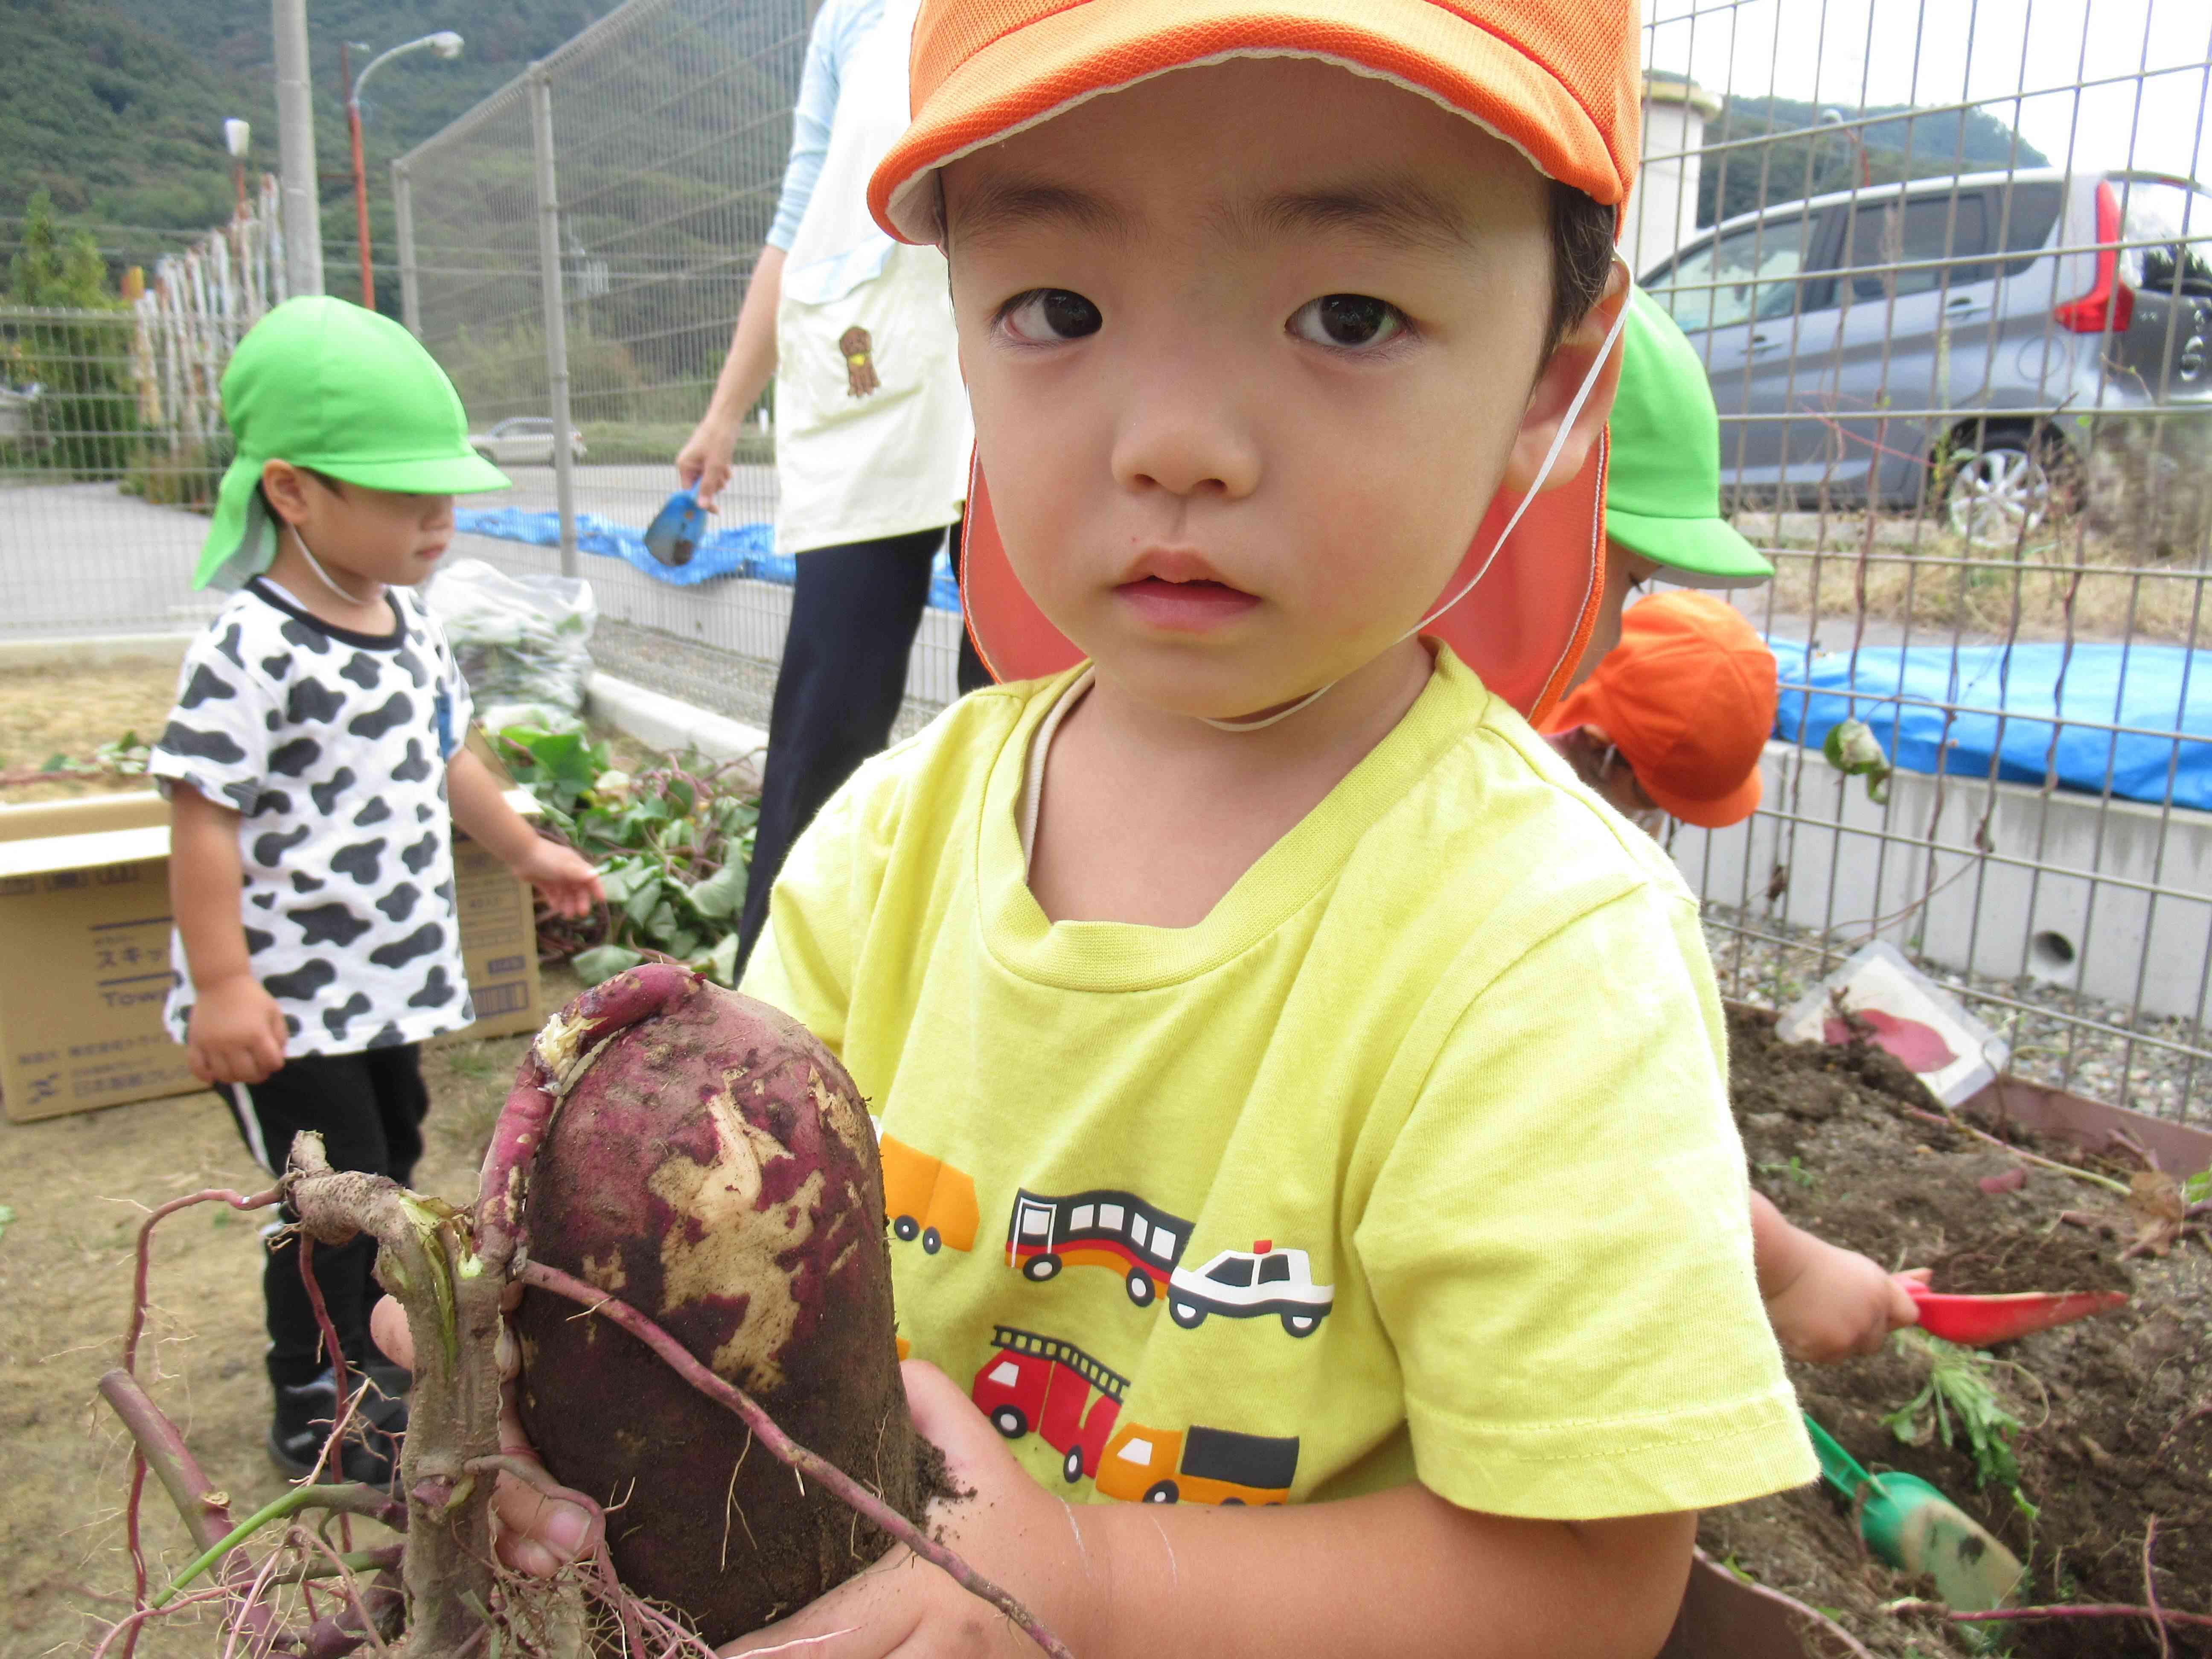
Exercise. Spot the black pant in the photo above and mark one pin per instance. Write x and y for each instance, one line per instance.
(369, 1108)
(853, 613)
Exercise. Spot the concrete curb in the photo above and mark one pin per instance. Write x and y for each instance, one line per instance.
(664, 722)
(95, 651)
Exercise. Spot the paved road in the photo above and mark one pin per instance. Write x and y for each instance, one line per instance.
(83, 558)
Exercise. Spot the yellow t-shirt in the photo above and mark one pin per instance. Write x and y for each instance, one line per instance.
(1412, 1159)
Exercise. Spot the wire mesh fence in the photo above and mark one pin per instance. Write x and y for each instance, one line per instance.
(1950, 274)
(1948, 270)
(669, 125)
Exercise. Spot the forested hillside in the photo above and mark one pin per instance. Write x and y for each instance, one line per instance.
(116, 107)
(1804, 160)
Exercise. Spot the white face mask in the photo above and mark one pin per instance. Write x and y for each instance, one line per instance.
(1551, 458)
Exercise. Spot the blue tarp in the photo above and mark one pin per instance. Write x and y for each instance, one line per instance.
(2009, 701)
(746, 550)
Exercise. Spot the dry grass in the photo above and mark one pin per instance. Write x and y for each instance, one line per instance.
(2058, 583)
(71, 710)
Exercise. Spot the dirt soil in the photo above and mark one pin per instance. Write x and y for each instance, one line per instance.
(2109, 1442)
(67, 709)
(78, 1185)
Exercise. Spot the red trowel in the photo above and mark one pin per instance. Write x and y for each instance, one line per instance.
(1976, 1322)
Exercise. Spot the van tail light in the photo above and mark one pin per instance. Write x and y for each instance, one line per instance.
(2111, 302)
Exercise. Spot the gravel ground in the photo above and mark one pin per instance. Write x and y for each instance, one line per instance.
(739, 687)
(2059, 1043)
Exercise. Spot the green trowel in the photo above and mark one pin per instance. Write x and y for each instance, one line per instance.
(1908, 1524)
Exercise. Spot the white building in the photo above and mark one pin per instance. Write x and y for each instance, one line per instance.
(1663, 211)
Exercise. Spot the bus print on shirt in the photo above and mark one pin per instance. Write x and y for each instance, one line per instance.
(1108, 1229)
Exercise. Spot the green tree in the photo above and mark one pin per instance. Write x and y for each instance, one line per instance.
(80, 358)
(54, 267)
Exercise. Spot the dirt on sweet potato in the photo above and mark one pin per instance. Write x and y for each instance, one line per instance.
(2109, 1441)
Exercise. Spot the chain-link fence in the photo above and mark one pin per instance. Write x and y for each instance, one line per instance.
(1950, 275)
(661, 133)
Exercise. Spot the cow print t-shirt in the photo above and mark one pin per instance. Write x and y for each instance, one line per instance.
(331, 745)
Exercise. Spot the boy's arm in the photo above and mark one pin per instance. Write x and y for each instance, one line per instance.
(1391, 1573)
(567, 879)
(237, 1032)
(1827, 1302)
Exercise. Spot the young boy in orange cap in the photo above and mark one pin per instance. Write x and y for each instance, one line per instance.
(1676, 716)
(1347, 1083)
(1673, 722)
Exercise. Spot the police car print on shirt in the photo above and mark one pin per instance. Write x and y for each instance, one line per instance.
(327, 740)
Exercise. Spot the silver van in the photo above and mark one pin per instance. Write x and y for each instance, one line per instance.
(1947, 339)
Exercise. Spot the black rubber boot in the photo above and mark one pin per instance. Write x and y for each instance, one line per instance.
(304, 1415)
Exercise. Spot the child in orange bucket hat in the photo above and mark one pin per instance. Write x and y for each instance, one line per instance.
(1322, 1095)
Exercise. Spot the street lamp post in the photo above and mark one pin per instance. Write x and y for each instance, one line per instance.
(1834, 118)
(446, 44)
(237, 135)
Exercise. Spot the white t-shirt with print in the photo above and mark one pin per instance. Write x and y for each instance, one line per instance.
(331, 746)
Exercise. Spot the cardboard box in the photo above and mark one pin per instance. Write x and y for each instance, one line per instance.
(84, 907)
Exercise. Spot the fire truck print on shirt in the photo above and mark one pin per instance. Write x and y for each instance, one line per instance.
(1034, 1382)
(331, 747)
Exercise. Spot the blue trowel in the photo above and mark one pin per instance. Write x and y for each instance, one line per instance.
(677, 530)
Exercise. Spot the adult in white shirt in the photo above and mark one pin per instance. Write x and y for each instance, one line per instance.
(873, 430)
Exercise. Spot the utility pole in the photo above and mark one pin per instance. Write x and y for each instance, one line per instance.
(295, 141)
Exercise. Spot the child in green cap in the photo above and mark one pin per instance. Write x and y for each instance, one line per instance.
(1662, 519)
(313, 762)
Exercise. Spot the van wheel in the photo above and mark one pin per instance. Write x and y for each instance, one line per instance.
(2000, 484)
(931, 1240)
(905, 1227)
(1162, 1492)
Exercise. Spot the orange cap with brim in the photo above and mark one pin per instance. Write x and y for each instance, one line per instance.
(1688, 698)
(1558, 79)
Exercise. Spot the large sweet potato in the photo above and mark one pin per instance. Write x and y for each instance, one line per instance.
(714, 1167)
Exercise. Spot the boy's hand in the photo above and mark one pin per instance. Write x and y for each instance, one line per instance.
(1839, 1304)
(532, 1531)
(565, 878)
(1007, 1527)
(236, 1033)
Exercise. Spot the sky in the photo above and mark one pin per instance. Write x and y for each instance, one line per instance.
(1944, 51)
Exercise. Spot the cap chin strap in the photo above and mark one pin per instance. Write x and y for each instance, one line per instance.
(1544, 472)
(316, 565)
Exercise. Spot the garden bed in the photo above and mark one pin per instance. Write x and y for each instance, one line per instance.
(2116, 1413)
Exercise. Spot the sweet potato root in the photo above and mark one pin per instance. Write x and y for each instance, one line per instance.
(712, 1165)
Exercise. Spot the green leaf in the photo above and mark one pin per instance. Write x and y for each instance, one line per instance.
(7, 1214)
(643, 897)
(684, 944)
(722, 960)
(1853, 750)
(723, 893)
(2197, 1188)
(604, 962)
(619, 880)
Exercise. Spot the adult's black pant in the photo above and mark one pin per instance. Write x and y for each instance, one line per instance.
(369, 1108)
(853, 613)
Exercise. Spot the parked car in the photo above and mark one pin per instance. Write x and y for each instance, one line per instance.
(523, 440)
(1946, 338)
